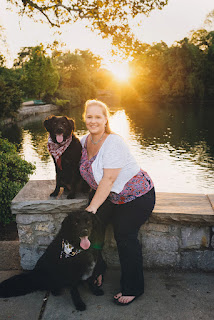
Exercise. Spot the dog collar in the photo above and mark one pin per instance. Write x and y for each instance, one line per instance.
(68, 250)
(96, 246)
(56, 150)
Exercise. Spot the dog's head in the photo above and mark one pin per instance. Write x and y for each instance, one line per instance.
(79, 228)
(60, 128)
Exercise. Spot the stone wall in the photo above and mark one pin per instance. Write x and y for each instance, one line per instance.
(179, 234)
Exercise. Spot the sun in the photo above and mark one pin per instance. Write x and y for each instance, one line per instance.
(120, 70)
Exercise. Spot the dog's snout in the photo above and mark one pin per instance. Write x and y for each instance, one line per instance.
(60, 130)
(85, 232)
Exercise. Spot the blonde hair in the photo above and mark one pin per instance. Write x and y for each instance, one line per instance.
(104, 108)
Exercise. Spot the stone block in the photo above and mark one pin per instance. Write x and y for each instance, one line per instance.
(159, 243)
(175, 229)
(26, 234)
(111, 257)
(44, 240)
(197, 260)
(48, 227)
(162, 228)
(195, 237)
(30, 255)
(109, 238)
(212, 242)
(161, 259)
(31, 218)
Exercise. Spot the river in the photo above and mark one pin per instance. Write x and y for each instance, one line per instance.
(173, 143)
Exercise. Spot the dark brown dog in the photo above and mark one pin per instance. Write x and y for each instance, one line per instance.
(72, 256)
(65, 149)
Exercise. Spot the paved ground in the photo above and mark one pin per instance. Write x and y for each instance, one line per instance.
(168, 295)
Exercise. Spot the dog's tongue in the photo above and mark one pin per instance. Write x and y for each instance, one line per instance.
(85, 243)
(59, 138)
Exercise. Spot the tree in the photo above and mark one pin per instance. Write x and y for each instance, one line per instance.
(174, 72)
(2, 60)
(77, 75)
(10, 93)
(110, 17)
(2, 45)
(39, 76)
(204, 40)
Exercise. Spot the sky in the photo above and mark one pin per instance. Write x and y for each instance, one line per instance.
(170, 24)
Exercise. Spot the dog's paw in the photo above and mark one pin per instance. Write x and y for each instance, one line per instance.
(71, 196)
(98, 292)
(54, 194)
(80, 306)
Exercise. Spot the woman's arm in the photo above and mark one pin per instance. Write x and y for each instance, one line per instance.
(104, 188)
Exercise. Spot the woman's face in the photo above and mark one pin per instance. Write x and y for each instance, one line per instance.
(95, 120)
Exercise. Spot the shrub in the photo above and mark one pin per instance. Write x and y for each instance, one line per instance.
(62, 103)
(10, 98)
(14, 172)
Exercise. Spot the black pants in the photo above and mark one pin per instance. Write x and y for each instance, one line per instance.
(127, 219)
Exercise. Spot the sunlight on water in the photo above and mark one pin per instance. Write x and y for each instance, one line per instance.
(175, 164)
(171, 170)
(45, 170)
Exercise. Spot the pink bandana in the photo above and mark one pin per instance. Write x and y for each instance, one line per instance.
(57, 149)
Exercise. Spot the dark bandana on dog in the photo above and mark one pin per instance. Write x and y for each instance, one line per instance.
(57, 149)
(68, 250)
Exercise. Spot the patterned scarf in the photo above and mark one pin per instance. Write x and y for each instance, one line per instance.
(57, 149)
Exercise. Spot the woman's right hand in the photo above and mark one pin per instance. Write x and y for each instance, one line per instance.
(91, 209)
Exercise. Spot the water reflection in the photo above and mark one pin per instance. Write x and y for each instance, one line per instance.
(174, 144)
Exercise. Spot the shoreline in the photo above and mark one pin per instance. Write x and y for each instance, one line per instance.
(27, 111)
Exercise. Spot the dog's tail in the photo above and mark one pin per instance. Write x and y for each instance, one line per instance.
(23, 283)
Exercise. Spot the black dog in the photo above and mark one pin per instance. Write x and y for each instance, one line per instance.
(72, 256)
(65, 149)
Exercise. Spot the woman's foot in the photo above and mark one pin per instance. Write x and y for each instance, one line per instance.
(117, 296)
(99, 280)
(123, 300)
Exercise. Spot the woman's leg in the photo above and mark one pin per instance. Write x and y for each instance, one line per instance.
(104, 212)
(127, 220)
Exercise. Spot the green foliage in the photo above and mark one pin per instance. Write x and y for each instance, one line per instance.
(2, 60)
(77, 72)
(14, 172)
(110, 17)
(39, 76)
(184, 70)
(61, 103)
(10, 93)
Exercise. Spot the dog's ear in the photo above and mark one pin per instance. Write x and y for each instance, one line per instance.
(71, 123)
(48, 123)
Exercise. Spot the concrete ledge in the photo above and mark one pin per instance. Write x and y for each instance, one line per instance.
(170, 207)
(184, 208)
(26, 111)
(179, 233)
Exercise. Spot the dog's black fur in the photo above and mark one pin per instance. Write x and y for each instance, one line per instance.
(54, 273)
(69, 176)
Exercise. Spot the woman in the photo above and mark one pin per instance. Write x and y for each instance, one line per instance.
(123, 195)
